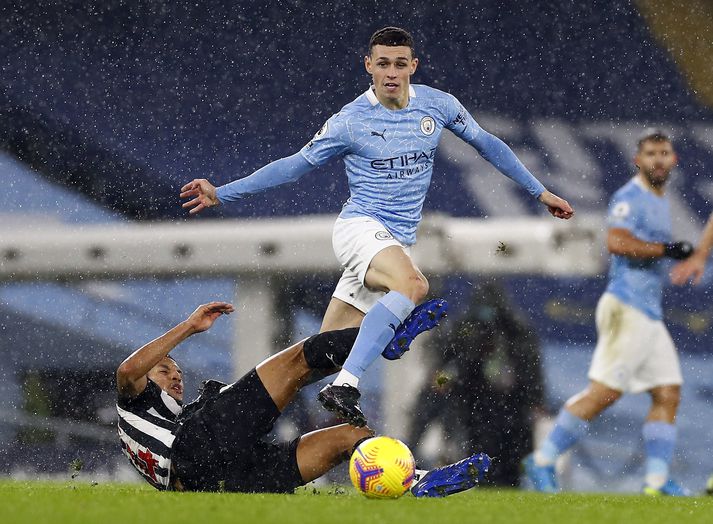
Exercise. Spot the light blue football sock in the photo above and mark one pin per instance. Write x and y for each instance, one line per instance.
(567, 431)
(377, 330)
(659, 443)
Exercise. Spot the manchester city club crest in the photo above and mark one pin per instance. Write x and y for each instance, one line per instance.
(428, 125)
(621, 210)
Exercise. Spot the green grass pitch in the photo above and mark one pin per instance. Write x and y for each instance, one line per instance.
(70, 502)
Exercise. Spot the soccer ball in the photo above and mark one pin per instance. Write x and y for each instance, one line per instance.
(382, 468)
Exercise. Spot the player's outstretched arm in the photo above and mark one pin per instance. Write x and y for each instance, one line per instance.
(499, 154)
(201, 194)
(131, 374)
(558, 207)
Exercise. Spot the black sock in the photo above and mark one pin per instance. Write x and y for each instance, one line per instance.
(329, 349)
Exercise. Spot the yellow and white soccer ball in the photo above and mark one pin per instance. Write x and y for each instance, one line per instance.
(382, 467)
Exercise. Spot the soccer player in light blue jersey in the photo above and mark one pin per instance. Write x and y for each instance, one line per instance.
(634, 351)
(387, 138)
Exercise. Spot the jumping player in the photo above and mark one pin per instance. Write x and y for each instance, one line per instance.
(387, 138)
(634, 350)
(217, 442)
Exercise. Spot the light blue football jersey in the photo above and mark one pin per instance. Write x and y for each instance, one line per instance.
(647, 216)
(389, 154)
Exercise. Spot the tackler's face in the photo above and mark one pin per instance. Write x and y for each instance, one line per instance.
(169, 377)
(656, 160)
(391, 68)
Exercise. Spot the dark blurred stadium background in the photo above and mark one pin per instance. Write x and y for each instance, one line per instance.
(107, 108)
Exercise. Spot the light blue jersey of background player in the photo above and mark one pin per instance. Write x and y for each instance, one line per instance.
(639, 282)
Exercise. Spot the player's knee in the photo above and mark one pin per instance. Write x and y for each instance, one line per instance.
(411, 284)
(608, 398)
(421, 289)
(667, 397)
(602, 397)
(329, 349)
(416, 288)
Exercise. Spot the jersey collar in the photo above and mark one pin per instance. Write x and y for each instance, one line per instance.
(371, 96)
(645, 187)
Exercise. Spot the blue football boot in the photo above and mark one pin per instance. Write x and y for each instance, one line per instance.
(422, 318)
(670, 489)
(454, 478)
(543, 478)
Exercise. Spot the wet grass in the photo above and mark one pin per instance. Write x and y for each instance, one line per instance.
(76, 502)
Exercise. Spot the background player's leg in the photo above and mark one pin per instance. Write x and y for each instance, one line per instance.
(319, 451)
(573, 421)
(660, 434)
(589, 403)
(340, 315)
(664, 404)
(571, 425)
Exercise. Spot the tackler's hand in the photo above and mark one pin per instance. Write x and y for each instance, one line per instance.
(204, 316)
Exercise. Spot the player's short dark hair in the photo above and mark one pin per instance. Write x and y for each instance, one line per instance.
(652, 135)
(392, 36)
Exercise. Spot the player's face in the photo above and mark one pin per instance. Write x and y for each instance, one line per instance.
(655, 161)
(169, 377)
(391, 68)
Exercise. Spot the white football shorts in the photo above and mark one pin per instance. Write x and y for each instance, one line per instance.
(634, 353)
(356, 241)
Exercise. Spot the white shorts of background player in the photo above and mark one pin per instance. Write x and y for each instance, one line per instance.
(634, 352)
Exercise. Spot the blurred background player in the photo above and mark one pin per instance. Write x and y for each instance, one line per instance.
(497, 387)
(487, 389)
(388, 138)
(693, 267)
(217, 442)
(634, 351)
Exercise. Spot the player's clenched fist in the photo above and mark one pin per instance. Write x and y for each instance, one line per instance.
(201, 194)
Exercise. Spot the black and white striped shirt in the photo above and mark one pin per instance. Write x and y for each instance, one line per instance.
(147, 427)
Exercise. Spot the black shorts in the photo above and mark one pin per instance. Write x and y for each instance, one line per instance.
(222, 446)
